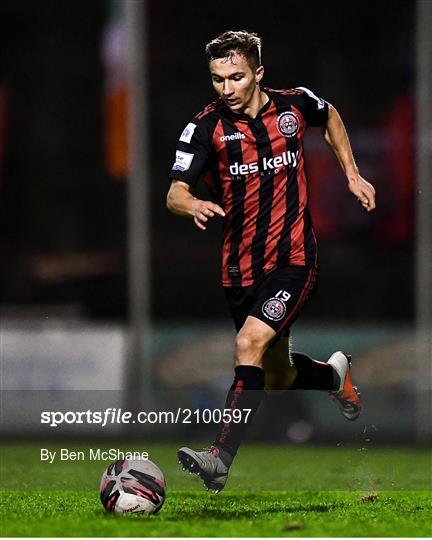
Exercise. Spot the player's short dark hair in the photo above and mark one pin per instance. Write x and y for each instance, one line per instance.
(245, 43)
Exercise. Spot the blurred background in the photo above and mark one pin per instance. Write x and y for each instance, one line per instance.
(102, 289)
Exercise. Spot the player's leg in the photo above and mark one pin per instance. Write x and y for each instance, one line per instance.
(281, 300)
(280, 371)
(311, 376)
(298, 284)
(247, 389)
(298, 371)
(243, 400)
(261, 313)
(285, 370)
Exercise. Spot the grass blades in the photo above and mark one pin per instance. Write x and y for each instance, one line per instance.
(273, 491)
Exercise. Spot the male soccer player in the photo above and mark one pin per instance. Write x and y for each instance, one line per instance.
(248, 148)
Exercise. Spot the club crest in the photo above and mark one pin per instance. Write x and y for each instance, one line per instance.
(274, 309)
(288, 124)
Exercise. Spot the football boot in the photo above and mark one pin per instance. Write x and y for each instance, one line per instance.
(347, 395)
(207, 465)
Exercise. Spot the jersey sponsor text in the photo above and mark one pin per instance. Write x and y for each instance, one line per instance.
(287, 159)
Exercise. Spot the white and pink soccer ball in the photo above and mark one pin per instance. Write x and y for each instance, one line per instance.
(132, 486)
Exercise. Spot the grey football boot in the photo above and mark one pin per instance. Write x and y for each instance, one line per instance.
(347, 396)
(207, 465)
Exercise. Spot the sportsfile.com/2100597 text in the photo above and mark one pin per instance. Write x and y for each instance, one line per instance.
(113, 415)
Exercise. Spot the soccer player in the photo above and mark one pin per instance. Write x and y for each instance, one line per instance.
(248, 147)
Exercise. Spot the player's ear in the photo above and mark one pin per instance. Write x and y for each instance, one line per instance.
(259, 73)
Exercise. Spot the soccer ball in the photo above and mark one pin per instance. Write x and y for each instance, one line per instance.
(133, 486)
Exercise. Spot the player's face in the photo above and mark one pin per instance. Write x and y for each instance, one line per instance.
(235, 82)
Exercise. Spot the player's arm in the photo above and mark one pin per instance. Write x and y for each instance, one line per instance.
(180, 201)
(336, 137)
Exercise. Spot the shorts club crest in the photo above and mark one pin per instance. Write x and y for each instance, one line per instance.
(274, 309)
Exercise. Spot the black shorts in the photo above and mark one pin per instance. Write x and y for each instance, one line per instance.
(277, 299)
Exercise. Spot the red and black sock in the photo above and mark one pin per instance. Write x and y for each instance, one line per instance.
(245, 393)
(312, 374)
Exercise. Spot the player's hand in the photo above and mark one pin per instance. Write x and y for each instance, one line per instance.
(203, 210)
(364, 191)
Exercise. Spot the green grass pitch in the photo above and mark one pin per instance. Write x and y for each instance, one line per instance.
(277, 491)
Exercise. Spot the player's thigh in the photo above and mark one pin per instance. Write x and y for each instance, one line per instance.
(240, 302)
(282, 296)
(280, 372)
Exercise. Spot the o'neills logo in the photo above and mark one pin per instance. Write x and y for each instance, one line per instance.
(286, 159)
(234, 137)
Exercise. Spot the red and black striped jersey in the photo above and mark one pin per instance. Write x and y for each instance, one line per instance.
(255, 171)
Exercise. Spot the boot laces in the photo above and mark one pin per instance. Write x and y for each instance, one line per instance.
(212, 450)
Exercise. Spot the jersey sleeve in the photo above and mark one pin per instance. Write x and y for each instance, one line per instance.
(314, 108)
(192, 153)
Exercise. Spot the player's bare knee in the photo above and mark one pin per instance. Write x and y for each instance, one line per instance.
(249, 349)
(243, 345)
